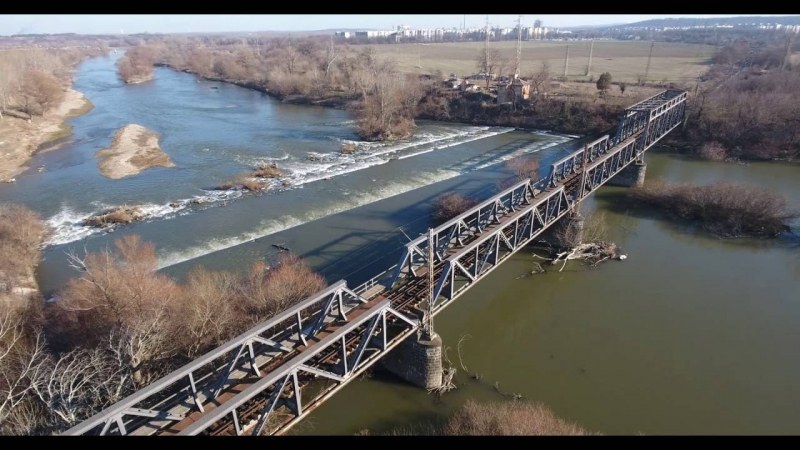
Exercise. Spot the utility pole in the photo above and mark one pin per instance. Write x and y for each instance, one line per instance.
(519, 45)
(790, 36)
(566, 63)
(589, 65)
(486, 49)
(649, 57)
(429, 322)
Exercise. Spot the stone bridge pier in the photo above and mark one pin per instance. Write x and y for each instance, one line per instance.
(417, 360)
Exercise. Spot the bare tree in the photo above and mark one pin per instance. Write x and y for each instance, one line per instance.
(450, 205)
(269, 290)
(488, 64)
(22, 363)
(290, 56)
(330, 57)
(526, 167)
(389, 102)
(78, 384)
(9, 79)
(40, 91)
(541, 79)
(119, 293)
(207, 316)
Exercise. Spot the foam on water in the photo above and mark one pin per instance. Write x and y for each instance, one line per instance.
(349, 201)
(68, 224)
(271, 226)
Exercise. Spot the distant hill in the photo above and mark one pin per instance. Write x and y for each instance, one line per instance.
(712, 21)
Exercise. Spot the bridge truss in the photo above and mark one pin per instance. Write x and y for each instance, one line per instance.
(270, 377)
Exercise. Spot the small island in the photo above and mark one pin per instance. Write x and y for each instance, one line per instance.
(134, 149)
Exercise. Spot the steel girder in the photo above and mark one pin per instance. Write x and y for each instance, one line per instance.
(470, 263)
(571, 164)
(369, 331)
(192, 387)
(462, 229)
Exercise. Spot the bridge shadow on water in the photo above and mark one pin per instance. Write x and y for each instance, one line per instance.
(344, 257)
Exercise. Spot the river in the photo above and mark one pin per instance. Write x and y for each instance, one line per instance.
(691, 334)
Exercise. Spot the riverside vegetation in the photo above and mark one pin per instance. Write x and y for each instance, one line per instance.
(118, 326)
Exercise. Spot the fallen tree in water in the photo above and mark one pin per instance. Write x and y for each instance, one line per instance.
(588, 243)
(722, 208)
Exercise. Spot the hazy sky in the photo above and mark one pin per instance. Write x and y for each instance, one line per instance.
(179, 23)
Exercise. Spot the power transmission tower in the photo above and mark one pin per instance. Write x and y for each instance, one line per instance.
(589, 65)
(790, 36)
(566, 62)
(486, 50)
(519, 45)
(649, 57)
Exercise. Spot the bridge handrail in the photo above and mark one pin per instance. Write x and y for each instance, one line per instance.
(578, 152)
(190, 367)
(275, 375)
(474, 209)
(471, 246)
(663, 95)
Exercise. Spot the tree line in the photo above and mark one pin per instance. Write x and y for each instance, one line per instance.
(32, 80)
(748, 104)
(309, 69)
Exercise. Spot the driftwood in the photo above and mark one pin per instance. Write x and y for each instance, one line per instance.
(282, 248)
(593, 253)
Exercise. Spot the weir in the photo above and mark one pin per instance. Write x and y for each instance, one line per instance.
(269, 378)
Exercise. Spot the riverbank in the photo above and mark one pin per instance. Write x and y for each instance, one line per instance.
(134, 149)
(328, 101)
(21, 138)
(572, 107)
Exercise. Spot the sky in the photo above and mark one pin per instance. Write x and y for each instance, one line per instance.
(182, 23)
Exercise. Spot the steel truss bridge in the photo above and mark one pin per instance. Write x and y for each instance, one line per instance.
(270, 377)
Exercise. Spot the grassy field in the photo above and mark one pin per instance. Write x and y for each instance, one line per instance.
(626, 60)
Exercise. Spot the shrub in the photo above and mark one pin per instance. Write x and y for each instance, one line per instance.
(21, 234)
(268, 290)
(123, 215)
(713, 151)
(523, 168)
(451, 205)
(508, 418)
(725, 209)
(348, 149)
(267, 171)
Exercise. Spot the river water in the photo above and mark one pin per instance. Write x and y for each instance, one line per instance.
(691, 334)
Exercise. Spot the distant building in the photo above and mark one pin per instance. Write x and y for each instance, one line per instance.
(468, 86)
(509, 91)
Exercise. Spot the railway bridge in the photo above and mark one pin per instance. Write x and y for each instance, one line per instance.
(271, 376)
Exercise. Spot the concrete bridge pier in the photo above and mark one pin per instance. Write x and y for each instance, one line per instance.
(631, 176)
(418, 360)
